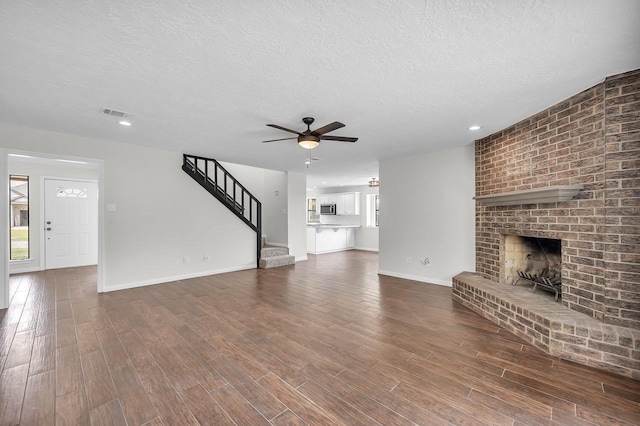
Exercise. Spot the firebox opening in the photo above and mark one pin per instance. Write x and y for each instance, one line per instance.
(536, 262)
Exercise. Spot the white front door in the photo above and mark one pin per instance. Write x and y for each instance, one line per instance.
(71, 223)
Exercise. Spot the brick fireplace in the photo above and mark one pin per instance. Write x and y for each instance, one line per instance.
(590, 143)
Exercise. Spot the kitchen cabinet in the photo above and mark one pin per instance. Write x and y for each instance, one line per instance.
(347, 203)
(330, 238)
(352, 203)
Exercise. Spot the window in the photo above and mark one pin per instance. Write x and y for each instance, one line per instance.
(19, 217)
(373, 210)
(377, 203)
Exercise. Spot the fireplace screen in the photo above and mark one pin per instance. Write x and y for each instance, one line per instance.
(534, 261)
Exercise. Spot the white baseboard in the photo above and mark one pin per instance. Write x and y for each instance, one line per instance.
(367, 249)
(25, 270)
(301, 258)
(177, 278)
(331, 251)
(415, 278)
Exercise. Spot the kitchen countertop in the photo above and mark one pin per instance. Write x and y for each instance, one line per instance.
(328, 225)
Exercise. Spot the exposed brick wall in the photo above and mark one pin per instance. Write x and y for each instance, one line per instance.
(593, 139)
(622, 200)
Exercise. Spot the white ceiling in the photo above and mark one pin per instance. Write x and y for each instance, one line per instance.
(204, 77)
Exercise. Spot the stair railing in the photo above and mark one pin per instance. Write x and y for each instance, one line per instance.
(213, 177)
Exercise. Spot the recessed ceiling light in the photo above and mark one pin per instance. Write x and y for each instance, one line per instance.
(125, 122)
(474, 128)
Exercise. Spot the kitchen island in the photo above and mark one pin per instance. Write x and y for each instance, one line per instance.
(327, 238)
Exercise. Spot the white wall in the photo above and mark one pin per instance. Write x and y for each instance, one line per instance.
(162, 214)
(297, 215)
(270, 187)
(275, 210)
(366, 238)
(427, 210)
(36, 169)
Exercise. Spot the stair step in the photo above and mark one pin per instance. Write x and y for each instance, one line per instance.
(267, 252)
(275, 261)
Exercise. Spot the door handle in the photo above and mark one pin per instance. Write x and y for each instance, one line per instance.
(48, 222)
(48, 229)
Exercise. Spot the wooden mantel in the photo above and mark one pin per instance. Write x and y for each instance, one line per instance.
(549, 194)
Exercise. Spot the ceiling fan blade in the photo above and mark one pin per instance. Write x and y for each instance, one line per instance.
(275, 126)
(276, 140)
(338, 138)
(328, 128)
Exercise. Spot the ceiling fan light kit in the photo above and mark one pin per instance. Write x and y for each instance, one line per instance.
(308, 141)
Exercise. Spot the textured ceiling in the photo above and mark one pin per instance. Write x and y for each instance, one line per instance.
(204, 77)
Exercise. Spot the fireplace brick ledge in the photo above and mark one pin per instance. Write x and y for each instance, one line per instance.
(550, 326)
(547, 194)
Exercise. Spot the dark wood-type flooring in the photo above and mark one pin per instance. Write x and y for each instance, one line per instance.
(326, 341)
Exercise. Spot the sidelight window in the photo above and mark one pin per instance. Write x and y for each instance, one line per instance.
(19, 217)
(373, 210)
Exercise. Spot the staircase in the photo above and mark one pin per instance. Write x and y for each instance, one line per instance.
(213, 177)
(272, 257)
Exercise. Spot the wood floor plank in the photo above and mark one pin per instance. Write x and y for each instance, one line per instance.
(80, 313)
(87, 338)
(400, 405)
(205, 409)
(6, 337)
(46, 323)
(39, 400)
(43, 355)
(334, 405)
(237, 407)
(71, 409)
(65, 332)
(13, 382)
(288, 419)
(109, 414)
(134, 401)
(114, 353)
(263, 401)
(97, 379)
(20, 351)
(162, 394)
(63, 310)
(362, 402)
(28, 320)
(528, 414)
(298, 403)
(68, 370)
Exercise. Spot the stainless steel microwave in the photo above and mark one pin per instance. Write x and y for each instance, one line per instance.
(327, 209)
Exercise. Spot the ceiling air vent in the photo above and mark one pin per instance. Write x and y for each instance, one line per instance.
(115, 113)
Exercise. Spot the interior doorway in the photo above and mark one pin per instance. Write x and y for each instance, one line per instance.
(39, 166)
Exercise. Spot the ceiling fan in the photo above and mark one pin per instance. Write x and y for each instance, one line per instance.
(310, 139)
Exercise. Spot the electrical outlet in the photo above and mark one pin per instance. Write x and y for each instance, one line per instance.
(186, 259)
(206, 257)
(409, 260)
